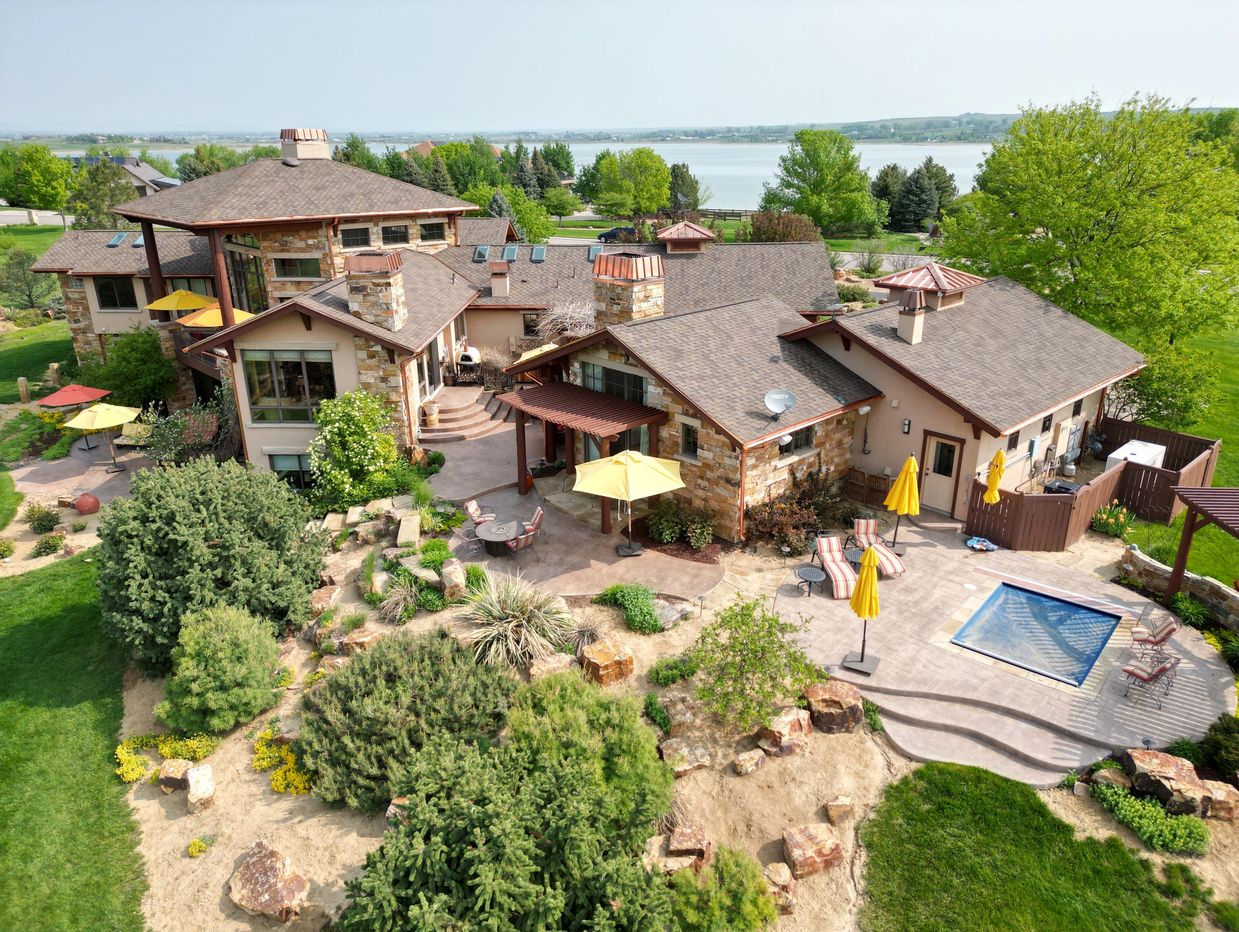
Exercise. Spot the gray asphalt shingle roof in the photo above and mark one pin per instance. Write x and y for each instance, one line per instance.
(482, 231)
(267, 189)
(86, 252)
(1006, 354)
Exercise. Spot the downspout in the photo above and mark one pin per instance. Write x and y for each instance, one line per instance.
(236, 402)
(743, 482)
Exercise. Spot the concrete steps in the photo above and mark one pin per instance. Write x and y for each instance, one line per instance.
(468, 419)
(930, 744)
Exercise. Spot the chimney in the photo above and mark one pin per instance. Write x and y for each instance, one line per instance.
(500, 278)
(912, 316)
(376, 288)
(300, 144)
(627, 286)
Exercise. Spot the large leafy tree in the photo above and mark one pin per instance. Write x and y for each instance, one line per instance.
(136, 372)
(530, 217)
(21, 287)
(97, 189)
(559, 156)
(916, 203)
(40, 179)
(469, 163)
(354, 451)
(355, 151)
(560, 202)
(1221, 126)
(206, 159)
(820, 176)
(160, 163)
(588, 181)
(633, 182)
(1130, 221)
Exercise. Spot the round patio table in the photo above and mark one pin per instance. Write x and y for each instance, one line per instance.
(853, 555)
(495, 535)
(808, 574)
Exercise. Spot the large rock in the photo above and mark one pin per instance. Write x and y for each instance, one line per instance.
(409, 533)
(370, 532)
(353, 517)
(748, 761)
(1111, 776)
(548, 666)
(670, 613)
(323, 599)
(172, 774)
(454, 580)
(264, 884)
(840, 809)
(656, 858)
(380, 506)
(361, 639)
(422, 573)
(782, 886)
(788, 722)
(811, 848)
(835, 706)
(683, 710)
(332, 663)
(1172, 780)
(1223, 800)
(334, 521)
(378, 583)
(606, 662)
(684, 756)
(690, 840)
(201, 788)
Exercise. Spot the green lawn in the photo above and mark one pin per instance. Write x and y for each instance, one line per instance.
(28, 352)
(35, 238)
(888, 242)
(10, 500)
(957, 848)
(67, 843)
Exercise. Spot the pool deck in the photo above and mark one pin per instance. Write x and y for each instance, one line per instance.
(945, 702)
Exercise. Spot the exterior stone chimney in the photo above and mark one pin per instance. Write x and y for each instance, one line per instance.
(376, 288)
(300, 144)
(627, 286)
(912, 316)
(500, 278)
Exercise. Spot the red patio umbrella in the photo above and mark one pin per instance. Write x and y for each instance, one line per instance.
(74, 396)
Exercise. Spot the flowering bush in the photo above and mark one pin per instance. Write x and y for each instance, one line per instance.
(353, 459)
(1113, 520)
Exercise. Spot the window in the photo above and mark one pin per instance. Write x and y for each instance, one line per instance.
(613, 382)
(688, 441)
(1013, 442)
(395, 236)
(1077, 407)
(297, 268)
(944, 459)
(433, 232)
(293, 468)
(802, 439)
(246, 281)
(115, 293)
(529, 324)
(242, 239)
(1046, 423)
(287, 385)
(202, 286)
(355, 237)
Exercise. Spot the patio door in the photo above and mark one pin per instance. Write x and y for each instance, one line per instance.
(941, 473)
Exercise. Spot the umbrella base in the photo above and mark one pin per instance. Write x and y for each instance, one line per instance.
(115, 468)
(630, 549)
(867, 666)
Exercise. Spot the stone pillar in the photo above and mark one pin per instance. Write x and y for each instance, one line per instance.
(376, 288)
(627, 287)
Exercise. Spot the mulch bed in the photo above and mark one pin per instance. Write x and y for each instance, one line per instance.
(681, 549)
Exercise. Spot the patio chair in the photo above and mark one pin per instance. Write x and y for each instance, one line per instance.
(524, 542)
(1150, 679)
(478, 516)
(865, 534)
(828, 552)
(535, 526)
(1153, 640)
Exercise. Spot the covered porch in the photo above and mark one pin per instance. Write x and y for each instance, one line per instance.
(570, 409)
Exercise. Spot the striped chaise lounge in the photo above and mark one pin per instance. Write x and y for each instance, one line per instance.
(829, 552)
(865, 534)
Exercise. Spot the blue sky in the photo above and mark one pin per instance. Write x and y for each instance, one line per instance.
(551, 64)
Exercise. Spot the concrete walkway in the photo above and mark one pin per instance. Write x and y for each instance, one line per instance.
(81, 471)
(488, 464)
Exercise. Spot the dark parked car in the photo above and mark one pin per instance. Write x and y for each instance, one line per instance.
(617, 234)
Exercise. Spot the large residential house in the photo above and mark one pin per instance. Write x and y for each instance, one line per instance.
(146, 179)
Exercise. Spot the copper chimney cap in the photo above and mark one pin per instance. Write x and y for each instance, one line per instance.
(373, 262)
(304, 135)
(914, 300)
(628, 266)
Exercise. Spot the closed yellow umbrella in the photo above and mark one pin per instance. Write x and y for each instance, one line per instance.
(103, 417)
(537, 351)
(628, 476)
(997, 467)
(181, 300)
(904, 498)
(864, 603)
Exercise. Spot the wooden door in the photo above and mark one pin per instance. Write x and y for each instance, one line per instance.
(940, 474)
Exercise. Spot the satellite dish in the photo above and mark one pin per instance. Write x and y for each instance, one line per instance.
(779, 401)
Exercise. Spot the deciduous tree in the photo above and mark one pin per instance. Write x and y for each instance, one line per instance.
(588, 181)
(206, 159)
(820, 176)
(560, 202)
(633, 182)
(39, 179)
(97, 189)
(21, 287)
(559, 156)
(768, 226)
(355, 151)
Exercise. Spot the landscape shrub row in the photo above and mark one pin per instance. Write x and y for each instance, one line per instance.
(669, 520)
(1177, 834)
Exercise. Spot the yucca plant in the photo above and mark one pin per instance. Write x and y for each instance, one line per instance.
(511, 621)
(400, 603)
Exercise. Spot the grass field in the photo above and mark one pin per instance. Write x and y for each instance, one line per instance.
(67, 843)
(957, 848)
(35, 238)
(28, 352)
(887, 242)
(10, 500)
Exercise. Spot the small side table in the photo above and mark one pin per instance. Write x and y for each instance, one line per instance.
(853, 555)
(808, 574)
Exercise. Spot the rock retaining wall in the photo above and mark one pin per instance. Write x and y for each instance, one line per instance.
(1223, 600)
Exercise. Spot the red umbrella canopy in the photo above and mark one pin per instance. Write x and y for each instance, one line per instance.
(74, 395)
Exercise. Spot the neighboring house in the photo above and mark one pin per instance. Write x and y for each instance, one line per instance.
(479, 231)
(146, 179)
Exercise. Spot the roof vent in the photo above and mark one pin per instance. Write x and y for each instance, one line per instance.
(291, 161)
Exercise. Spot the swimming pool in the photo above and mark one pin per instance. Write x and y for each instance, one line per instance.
(1047, 635)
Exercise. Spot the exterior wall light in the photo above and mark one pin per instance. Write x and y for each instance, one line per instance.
(907, 425)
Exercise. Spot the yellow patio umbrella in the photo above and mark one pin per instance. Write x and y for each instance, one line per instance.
(103, 417)
(537, 351)
(864, 603)
(181, 300)
(904, 498)
(628, 476)
(211, 318)
(997, 467)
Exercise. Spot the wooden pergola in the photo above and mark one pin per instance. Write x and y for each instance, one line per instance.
(571, 408)
(1205, 506)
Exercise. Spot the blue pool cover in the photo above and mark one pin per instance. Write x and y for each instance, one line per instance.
(1050, 636)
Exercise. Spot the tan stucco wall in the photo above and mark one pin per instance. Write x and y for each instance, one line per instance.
(118, 321)
(498, 330)
(1016, 476)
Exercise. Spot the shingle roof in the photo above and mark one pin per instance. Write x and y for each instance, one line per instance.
(931, 277)
(797, 273)
(723, 360)
(86, 252)
(433, 296)
(485, 231)
(267, 189)
(1006, 354)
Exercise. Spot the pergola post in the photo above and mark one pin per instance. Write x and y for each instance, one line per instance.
(549, 446)
(570, 448)
(152, 260)
(1193, 521)
(604, 450)
(222, 290)
(522, 467)
(652, 432)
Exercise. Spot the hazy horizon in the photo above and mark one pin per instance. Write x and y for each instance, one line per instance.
(491, 66)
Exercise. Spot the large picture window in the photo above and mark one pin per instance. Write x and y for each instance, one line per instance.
(287, 385)
(293, 468)
(297, 268)
(355, 237)
(613, 382)
(395, 235)
(433, 232)
(115, 293)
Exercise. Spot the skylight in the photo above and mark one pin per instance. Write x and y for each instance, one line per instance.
(537, 254)
(140, 241)
(593, 253)
(509, 253)
(480, 253)
(116, 240)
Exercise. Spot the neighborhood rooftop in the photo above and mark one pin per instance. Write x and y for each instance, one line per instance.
(482, 231)
(86, 252)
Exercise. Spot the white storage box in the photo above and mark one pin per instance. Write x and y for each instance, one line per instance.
(1138, 451)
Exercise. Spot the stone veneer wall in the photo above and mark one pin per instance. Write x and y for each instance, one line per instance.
(618, 302)
(77, 311)
(377, 374)
(769, 474)
(1222, 600)
(378, 299)
(311, 241)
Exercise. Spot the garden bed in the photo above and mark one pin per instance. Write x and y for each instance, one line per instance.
(681, 549)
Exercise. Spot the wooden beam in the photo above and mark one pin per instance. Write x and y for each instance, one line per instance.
(604, 450)
(222, 289)
(306, 321)
(1193, 521)
(152, 260)
(522, 473)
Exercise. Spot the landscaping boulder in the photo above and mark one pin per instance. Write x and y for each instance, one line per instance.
(1223, 800)
(670, 613)
(656, 858)
(684, 756)
(690, 840)
(835, 706)
(840, 809)
(172, 774)
(1172, 780)
(290, 729)
(332, 663)
(353, 517)
(402, 504)
(422, 573)
(748, 761)
(371, 532)
(409, 533)
(454, 580)
(782, 886)
(264, 884)
(323, 599)
(395, 810)
(792, 744)
(380, 506)
(333, 521)
(1080, 788)
(811, 848)
(201, 788)
(361, 639)
(556, 663)
(1111, 776)
(606, 662)
(683, 710)
(786, 733)
(378, 582)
